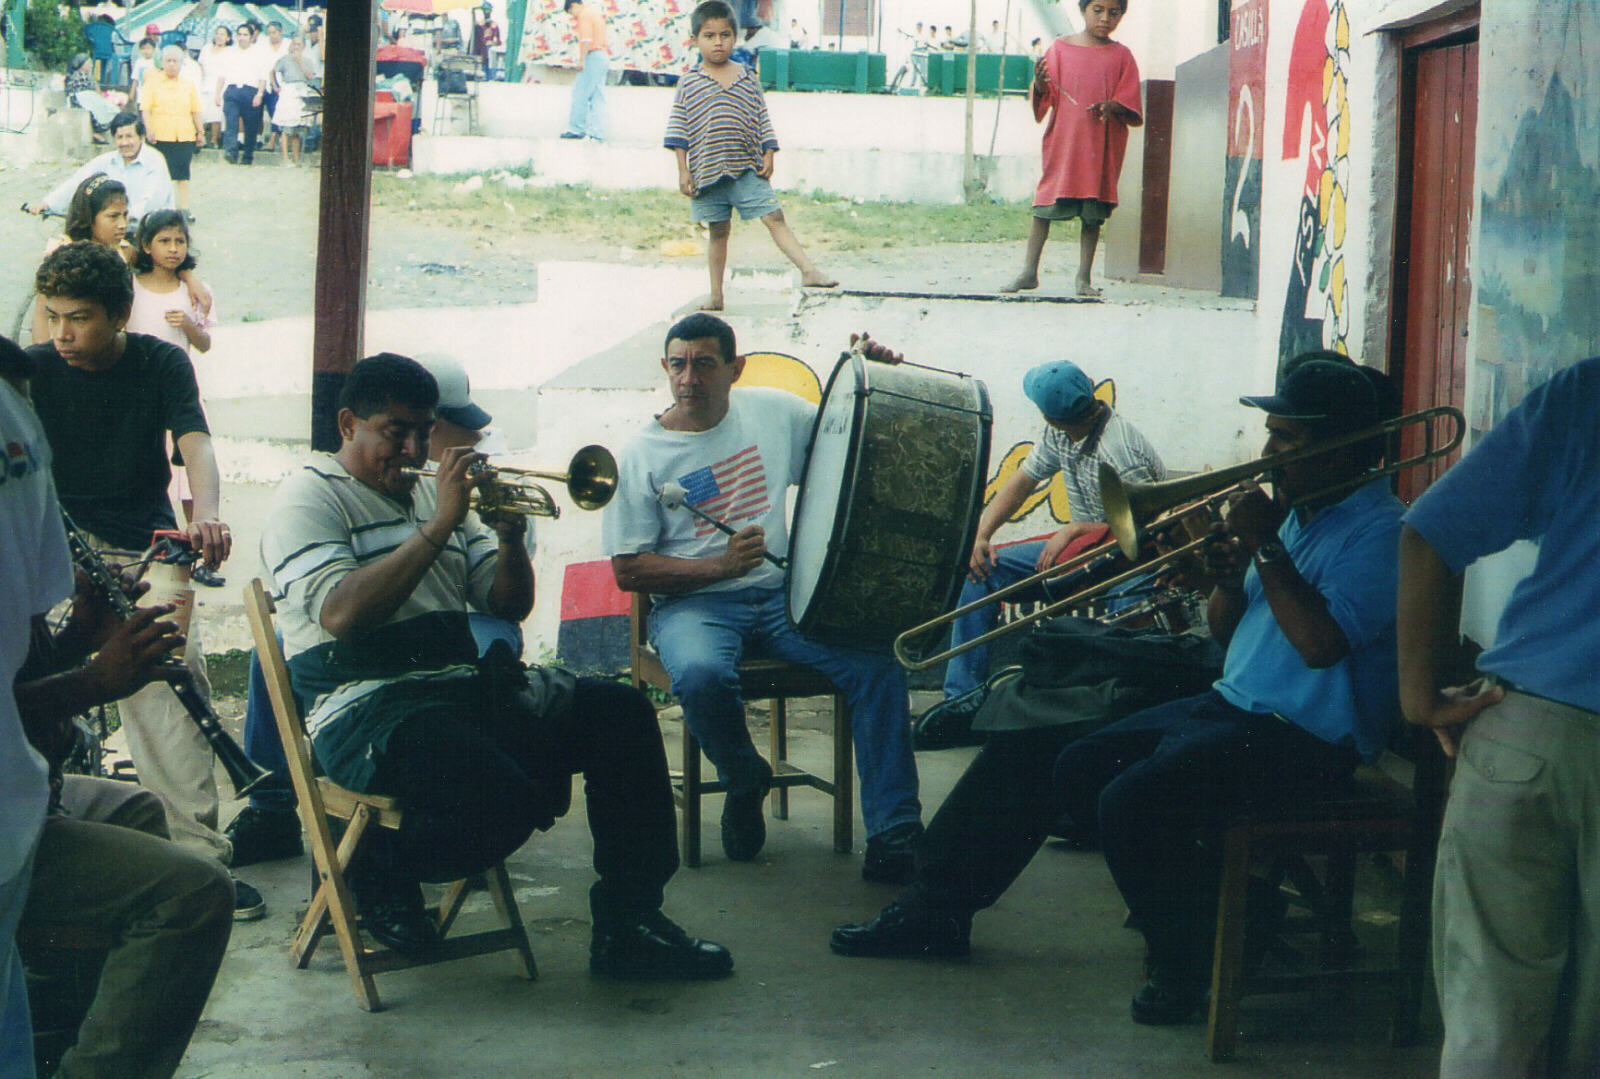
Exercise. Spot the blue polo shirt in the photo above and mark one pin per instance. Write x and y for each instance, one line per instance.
(1535, 476)
(1349, 552)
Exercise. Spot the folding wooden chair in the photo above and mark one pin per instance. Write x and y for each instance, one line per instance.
(760, 679)
(319, 798)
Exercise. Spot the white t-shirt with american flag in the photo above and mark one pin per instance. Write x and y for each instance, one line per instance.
(738, 472)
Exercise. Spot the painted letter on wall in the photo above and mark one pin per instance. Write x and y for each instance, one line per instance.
(1241, 197)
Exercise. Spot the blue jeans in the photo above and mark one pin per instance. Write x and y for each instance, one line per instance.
(588, 115)
(238, 102)
(701, 637)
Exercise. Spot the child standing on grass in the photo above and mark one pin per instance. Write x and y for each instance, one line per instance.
(1088, 85)
(723, 137)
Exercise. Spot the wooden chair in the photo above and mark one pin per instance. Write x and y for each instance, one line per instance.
(1371, 812)
(760, 679)
(319, 799)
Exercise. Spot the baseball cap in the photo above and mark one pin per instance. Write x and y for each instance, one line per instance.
(455, 393)
(153, 30)
(1062, 391)
(1322, 391)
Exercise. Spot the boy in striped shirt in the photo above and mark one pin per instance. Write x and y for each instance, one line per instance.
(720, 130)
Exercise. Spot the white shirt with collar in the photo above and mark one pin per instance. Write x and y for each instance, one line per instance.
(247, 67)
(146, 178)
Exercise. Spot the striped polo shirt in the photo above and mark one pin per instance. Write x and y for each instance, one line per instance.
(725, 129)
(324, 525)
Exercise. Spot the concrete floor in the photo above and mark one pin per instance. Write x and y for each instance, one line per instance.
(1045, 992)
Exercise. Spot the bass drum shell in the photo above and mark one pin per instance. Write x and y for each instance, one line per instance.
(889, 501)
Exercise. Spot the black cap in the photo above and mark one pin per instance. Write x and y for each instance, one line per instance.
(1323, 392)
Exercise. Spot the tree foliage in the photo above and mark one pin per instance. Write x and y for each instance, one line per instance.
(51, 35)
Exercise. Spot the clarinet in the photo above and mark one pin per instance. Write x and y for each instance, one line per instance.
(243, 773)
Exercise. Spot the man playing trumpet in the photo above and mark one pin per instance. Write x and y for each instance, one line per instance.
(375, 571)
(1304, 604)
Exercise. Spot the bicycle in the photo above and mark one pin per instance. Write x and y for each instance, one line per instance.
(24, 318)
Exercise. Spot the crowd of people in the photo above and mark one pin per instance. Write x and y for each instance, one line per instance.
(1325, 602)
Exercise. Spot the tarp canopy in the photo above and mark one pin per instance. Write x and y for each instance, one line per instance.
(170, 14)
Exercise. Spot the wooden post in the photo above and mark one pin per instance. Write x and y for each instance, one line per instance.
(972, 184)
(344, 219)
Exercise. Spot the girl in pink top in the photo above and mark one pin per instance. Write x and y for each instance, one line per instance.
(1088, 86)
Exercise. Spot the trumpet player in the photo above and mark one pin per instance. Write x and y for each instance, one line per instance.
(375, 571)
(1305, 606)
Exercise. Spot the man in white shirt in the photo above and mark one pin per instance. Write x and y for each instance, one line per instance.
(241, 91)
(134, 164)
(736, 454)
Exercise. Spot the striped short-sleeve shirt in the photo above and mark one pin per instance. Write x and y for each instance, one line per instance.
(325, 524)
(725, 129)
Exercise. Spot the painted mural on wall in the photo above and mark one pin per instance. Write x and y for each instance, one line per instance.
(1241, 194)
(1538, 264)
(1316, 308)
(644, 35)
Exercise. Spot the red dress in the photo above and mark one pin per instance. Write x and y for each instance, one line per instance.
(1082, 155)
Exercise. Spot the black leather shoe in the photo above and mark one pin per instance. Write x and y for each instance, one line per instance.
(264, 835)
(906, 930)
(655, 947)
(744, 829)
(1164, 1003)
(949, 723)
(892, 855)
(399, 921)
(571, 135)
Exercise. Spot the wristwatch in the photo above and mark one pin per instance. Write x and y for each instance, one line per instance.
(1270, 553)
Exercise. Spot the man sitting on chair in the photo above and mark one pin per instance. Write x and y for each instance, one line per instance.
(1305, 605)
(375, 572)
(736, 454)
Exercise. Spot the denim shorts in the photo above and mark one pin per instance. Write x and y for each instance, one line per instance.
(748, 193)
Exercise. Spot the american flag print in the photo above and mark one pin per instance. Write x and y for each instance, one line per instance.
(734, 490)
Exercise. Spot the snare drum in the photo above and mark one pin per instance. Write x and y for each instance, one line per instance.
(889, 501)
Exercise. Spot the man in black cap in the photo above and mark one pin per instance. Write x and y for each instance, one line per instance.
(1305, 604)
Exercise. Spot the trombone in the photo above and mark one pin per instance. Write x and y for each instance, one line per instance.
(1135, 508)
(590, 479)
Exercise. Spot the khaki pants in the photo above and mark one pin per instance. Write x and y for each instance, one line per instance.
(107, 866)
(172, 757)
(1517, 895)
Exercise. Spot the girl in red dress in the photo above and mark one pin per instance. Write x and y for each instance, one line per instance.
(1088, 87)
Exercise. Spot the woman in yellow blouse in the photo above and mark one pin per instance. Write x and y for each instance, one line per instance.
(170, 101)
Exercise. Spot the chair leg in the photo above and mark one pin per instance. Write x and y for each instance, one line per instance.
(1411, 944)
(691, 799)
(316, 923)
(844, 800)
(450, 905)
(505, 901)
(1222, 1026)
(337, 903)
(779, 724)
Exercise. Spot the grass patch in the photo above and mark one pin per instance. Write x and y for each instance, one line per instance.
(644, 220)
(229, 672)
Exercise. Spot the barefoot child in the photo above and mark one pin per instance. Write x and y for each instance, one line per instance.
(722, 135)
(1089, 87)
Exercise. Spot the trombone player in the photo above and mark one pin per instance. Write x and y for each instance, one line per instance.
(375, 572)
(1305, 605)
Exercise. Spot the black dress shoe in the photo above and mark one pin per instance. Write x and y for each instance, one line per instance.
(264, 835)
(400, 922)
(571, 135)
(1162, 1002)
(906, 930)
(655, 947)
(744, 829)
(892, 855)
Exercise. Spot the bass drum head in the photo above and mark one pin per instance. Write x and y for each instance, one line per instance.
(889, 501)
(828, 461)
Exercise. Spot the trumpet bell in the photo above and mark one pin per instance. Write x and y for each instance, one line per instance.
(592, 477)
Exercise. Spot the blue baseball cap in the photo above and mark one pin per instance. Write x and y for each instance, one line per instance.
(1336, 393)
(1062, 391)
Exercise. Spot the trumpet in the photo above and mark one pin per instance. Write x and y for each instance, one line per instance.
(590, 479)
(1138, 510)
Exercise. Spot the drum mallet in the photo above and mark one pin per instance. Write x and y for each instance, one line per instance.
(673, 497)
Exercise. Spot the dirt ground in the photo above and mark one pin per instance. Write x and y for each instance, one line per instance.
(432, 245)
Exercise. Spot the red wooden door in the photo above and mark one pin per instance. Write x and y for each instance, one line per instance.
(1432, 276)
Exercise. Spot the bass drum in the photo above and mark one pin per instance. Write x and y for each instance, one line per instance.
(889, 501)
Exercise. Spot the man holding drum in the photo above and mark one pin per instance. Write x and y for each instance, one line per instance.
(736, 453)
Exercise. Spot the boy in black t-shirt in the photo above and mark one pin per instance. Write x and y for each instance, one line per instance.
(108, 400)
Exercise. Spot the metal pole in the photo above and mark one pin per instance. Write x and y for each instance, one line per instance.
(16, 15)
(972, 184)
(516, 21)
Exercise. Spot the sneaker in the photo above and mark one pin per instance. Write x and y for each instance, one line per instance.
(949, 723)
(248, 906)
(202, 574)
(892, 855)
(744, 829)
(571, 135)
(264, 835)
